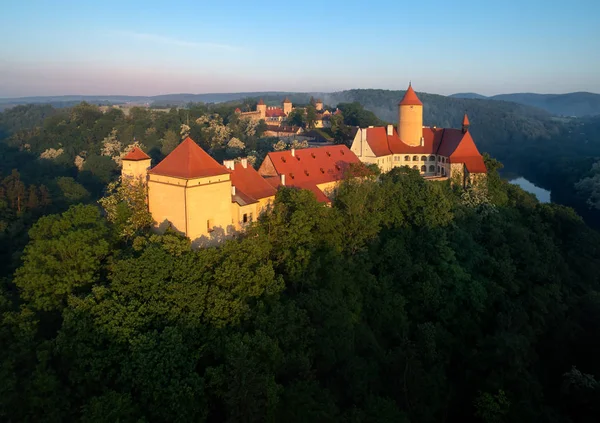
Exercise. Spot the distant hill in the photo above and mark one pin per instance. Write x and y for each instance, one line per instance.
(467, 95)
(571, 104)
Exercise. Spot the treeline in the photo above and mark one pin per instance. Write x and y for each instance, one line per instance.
(404, 301)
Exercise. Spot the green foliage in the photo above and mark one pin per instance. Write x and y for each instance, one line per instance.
(64, 257)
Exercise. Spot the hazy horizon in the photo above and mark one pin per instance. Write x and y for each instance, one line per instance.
(154, 48)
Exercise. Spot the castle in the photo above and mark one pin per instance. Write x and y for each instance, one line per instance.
(207, 201)
(437, 153)
(275, 116)
(192, 193)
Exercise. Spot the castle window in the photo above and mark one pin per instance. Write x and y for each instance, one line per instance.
(415, 167)
(432, 168)
(415, 158)
(443, 172)
(407, 158)
(438, 170)
(423, 158)
(245, 218)
(423, 168)
(210, 225)
(432, 158)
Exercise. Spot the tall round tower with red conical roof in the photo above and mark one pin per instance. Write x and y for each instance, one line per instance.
(410, 118)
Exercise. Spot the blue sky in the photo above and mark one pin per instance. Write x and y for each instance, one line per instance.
(156, 47)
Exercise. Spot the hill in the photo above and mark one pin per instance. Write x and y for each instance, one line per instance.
(571, 104)
(467, 95)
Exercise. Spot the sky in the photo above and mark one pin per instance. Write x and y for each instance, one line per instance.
(153, 47)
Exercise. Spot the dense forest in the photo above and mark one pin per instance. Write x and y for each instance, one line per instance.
(407, 300)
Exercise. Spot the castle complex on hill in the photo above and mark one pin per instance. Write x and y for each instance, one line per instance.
(275, 116)
(192, 193)
(435, 152)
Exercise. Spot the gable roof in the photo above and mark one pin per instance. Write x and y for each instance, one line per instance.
(249, 185)
(188, 160)
(136, 154)
(410, 98)
(312, 165)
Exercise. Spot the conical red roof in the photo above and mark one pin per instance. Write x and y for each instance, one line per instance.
(410, 98)
(135, 154)
(286, 100)
(188, 161)
(261, 102)
(466, 120)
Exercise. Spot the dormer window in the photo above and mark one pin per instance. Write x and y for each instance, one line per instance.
(322, 170)
(328, 154)
(306, 172)
(283, 159)
(313, 155)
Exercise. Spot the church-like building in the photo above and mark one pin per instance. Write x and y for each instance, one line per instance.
(207, 201)
(437, 153)
(270, 114)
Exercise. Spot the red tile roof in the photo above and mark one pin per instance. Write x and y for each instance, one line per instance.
(465, 120)
(448, 142)
(410, 98)
(315, 165)
(260, 102)
(238, 110)
(135, 154)
(309, 167)
(249, 184)
(275, 112)
(188, 160)
(286, 100)
(466, 152)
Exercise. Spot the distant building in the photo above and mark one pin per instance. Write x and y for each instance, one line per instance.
(192, 193)
(271, 115)
(434, 152)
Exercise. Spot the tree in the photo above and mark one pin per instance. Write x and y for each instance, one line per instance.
(170, 141)
(125, 204)
(296, 118)
(64, 257)
(311, 117)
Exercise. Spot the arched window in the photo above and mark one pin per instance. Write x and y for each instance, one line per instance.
(443, 172)
(415, 158)
(438, 170)
(443, 160)
(432, 158)
(415, 167)
(423, 158)
(423, 168)
(431, 168)
(407, 158)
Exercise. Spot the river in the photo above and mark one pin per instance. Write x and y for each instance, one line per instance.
(542, 195)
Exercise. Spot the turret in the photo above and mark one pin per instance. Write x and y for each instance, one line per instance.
(287, 106)
(410, 118)
(261, 107)
(465, 124)
(136, 164)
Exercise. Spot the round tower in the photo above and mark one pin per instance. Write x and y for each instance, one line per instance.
(287, 106)
(410, 118)
(136, 164)
(261, 107)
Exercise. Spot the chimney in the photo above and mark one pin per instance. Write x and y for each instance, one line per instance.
(245, 162)
(233, 190)
(229, 164)
(283, 179)
(390, 129)
(293, 152)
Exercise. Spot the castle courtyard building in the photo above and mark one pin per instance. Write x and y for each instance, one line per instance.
(435, 152)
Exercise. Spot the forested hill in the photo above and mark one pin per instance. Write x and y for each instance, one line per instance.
(570, 104)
